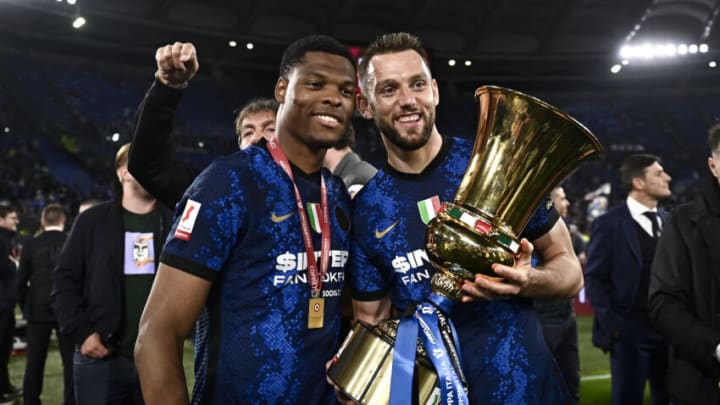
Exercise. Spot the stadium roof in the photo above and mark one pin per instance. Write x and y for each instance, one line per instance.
(505, 41)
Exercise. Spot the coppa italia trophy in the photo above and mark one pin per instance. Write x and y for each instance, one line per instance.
(523, 148)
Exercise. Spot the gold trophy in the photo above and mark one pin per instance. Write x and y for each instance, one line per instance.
(523, 148)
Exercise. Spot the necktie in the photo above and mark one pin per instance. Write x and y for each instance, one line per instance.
(652, 216)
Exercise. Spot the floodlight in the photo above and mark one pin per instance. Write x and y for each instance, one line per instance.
(78, 22)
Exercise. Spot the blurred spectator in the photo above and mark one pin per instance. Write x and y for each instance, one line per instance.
(103, 277)
(38, 261)
(684, 290)
(8, 297)
(558, 319)
(617, 276)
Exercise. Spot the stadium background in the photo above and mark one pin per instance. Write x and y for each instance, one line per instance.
(68, 92)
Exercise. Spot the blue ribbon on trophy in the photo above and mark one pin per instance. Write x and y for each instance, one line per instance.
(439, 338)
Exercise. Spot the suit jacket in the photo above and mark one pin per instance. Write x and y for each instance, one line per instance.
(8, 272)
(684, 299)
(37, 263)
(88, 282)
(612, 273)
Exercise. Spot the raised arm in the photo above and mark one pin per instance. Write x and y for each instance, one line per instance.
(152, 159)
(174, 304)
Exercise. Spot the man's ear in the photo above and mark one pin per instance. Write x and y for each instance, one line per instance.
(638, 183)
(120, 172)
(436, 92)
(714, 169)
(280, 89)
(364, 106)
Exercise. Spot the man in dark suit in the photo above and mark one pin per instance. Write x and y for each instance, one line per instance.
(8, 297)
(617, 276)
(35, 286)
(684, 289)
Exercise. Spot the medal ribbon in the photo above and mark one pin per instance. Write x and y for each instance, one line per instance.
(440, 341)
(314, 276)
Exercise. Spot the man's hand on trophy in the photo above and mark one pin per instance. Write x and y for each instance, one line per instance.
(511, 281)
(177, 64)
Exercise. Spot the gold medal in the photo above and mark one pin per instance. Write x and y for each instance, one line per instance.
(316, 313)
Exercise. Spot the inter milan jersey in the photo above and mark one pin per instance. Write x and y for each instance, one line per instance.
(238, 226)
(504, 353)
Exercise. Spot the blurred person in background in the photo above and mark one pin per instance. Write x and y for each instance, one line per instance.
(9, 221)
(617, 277)
(37, 263)
(684, 291)
(558, 318)
(101, 283)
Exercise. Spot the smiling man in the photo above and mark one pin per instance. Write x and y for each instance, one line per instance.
(259, 247)
(504, 353)
(620, 253)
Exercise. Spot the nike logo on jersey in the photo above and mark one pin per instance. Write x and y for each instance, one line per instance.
(277, 219)
(381, 234)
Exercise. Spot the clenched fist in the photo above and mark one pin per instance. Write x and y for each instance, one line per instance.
(177, 64)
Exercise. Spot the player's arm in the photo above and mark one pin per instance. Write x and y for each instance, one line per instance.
(372, 312)
(174, 304)
(559, 277)
(152, 159)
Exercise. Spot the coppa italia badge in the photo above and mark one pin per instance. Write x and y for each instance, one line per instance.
(187, 220)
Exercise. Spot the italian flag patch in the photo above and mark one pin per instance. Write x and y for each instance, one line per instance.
(429, 208)
(313, 212)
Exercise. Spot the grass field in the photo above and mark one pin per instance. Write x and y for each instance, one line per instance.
(594, 369)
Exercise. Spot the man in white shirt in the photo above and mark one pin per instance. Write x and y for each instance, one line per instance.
(617, 276)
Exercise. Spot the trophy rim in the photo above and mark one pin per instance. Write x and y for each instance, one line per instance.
(495, 89)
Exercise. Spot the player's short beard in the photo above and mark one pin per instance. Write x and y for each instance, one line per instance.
(393, 135)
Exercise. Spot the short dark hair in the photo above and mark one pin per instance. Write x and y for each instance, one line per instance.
(348, 139)
(6, 209)
(634, 166)
(254, 106)
(295, 52)
(390, 43)
(53, 214)
(714, 138)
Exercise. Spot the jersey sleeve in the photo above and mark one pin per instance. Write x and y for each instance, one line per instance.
(367, 281)
(207, 223)
(541, 222)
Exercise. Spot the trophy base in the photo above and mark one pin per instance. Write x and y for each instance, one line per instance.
(448, 281)
(363, 366)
